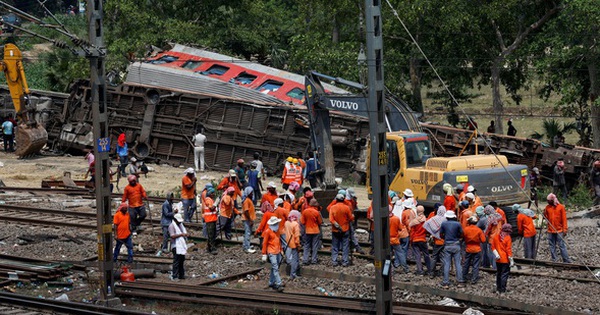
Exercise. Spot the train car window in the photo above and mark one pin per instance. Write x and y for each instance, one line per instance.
(243, 78)
(214, 70)
(191, 64)
(164, 59)
(296, 93)
(270, 85)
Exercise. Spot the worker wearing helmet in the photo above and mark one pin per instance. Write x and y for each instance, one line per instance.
(289, 173)
(595, 181)
(135, 195)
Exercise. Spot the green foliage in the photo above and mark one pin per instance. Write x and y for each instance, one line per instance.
(552, 127)
(61, 69)
(580, 197)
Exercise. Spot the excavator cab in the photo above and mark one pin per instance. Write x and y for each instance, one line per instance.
(31, 137)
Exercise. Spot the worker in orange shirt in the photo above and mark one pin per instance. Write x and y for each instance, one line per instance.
(450, 199)
(556, 216)
(122, 233)
(188, 194)
(399, 239)
(340, 217)
(527, 231)
(292, 232)
(226, 213)
(502, 249)
(271, 251)
(135, 194)
(311, 220)
(473, 237)
(270, 195)
(268, 212)
(477, 201)
(291, 192)
(248, 217)
(210, 217)
(289, 173)
(459, 192)
(418, 239)
(282, 213)
(501, 212)
(233, 182)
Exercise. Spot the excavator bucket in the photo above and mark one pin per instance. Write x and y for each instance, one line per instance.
(30, 140)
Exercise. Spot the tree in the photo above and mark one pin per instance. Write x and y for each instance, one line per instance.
(567, 61)
(499, 29)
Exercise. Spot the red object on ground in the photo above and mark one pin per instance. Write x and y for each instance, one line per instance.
(126, 275)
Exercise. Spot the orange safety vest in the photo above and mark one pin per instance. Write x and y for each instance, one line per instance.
(289, 174)
(208, 214)
(298, 174)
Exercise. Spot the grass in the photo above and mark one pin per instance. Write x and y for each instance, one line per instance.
(527, 117)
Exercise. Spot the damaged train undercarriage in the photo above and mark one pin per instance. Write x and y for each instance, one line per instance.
(159, 125)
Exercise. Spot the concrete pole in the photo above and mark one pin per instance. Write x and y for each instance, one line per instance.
(96, 57)
(378, 158)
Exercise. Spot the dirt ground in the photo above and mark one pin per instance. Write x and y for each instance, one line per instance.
(160, 180)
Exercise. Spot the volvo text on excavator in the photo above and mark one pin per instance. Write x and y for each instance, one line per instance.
(409, 159)
(31, 136)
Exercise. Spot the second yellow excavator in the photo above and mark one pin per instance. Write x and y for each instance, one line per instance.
(31, 136)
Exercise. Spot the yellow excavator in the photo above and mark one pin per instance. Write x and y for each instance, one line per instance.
(31, 137)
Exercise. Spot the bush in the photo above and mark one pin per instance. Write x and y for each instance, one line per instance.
(580, 198)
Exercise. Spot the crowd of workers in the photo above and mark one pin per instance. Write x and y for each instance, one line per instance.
(461, 231)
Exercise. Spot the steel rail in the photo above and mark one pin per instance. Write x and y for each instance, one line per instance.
(268, 300)
(62, 307)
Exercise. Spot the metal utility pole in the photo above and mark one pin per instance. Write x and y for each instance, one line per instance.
(102, 139)
(379, 158)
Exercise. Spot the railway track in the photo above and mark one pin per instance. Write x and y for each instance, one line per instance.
(270, 301)
(11, 303)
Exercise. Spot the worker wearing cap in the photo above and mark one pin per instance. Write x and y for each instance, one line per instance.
(210, 217)
(535, 180)
(270, 195)
(289, 173)
(449, 200)
(340, 217)
(188, 194)
(476, 201)
(165, 220)
(231, 181)
(271, 251)
(240, 171)
(121, 220)
(135, 194)
(595, 181)
(227, 211)
(527, 230)
(253, 176)
(178, 246)
(299, 171)
(132, 168)
(311, 220)
(473, 237)
(336, 201)
(556, 215)
(282, 213)
(452, 233)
